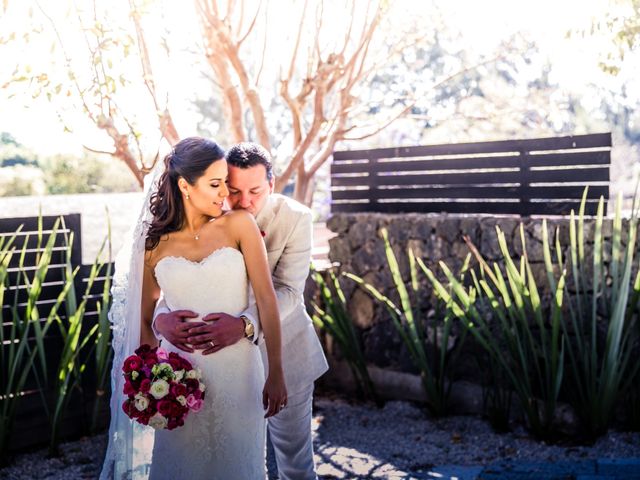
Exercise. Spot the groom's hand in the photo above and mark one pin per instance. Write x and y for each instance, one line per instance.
(174, 327)
(221, 330)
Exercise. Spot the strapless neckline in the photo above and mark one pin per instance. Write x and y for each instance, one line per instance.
(198, 262)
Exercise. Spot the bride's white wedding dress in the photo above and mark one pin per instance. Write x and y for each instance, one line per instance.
(226, 439)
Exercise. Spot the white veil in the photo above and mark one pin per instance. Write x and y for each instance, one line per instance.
(128, 454)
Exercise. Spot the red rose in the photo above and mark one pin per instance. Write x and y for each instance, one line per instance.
(175, 361)
(134, 362)
(178, 389)
(186, 364)
(144, 418)
(128, 406)
(176, 409)
(144, 350)
(129, 389)
(150, 361)
(145, 385)
(165, 407)
(172, 423)
(192, 384)
(198, 394)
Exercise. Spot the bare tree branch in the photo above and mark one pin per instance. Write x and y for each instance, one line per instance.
(101, 152)
(381, 126)
(167, 127)
(264, 44)
(251, 26)
(216, 57)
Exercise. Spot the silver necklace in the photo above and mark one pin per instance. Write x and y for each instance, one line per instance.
(197, 234)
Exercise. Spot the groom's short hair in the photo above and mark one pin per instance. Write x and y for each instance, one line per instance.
(247, 154)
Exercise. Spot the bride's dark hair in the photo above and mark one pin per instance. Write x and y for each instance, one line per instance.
(189, 159)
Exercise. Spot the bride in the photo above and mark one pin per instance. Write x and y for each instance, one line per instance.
(202, 259)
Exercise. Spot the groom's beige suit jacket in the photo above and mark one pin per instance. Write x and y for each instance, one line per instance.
(288, 234)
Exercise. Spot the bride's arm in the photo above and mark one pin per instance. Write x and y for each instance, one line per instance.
(150, 295)
(255, 256)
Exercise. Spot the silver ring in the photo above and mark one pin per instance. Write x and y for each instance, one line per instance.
(212, 344)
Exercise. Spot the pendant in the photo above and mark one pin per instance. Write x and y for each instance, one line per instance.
(197, 237)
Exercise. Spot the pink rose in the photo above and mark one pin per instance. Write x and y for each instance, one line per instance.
(162, 355)
(193, 403)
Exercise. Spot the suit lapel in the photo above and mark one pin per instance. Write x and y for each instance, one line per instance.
(265, 218)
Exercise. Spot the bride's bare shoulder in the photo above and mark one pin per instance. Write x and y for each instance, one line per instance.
(153, 256)
(238, 218)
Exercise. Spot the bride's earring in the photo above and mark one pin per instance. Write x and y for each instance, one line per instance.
(187, 195)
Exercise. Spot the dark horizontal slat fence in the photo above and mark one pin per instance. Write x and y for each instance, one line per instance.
(31, 425)
(543, 176)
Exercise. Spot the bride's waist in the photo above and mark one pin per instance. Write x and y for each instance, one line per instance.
(202, 311)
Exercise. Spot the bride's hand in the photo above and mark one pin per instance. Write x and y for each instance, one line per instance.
(274, 394)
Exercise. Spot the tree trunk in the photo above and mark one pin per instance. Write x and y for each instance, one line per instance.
(303, 190)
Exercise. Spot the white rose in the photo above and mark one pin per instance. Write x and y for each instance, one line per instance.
(198, 373)
(134, 375)
(179, 374)
(159, 389)
(141, 401)
(202, 387)
(192, 374)
(181, 400)
(158, 422)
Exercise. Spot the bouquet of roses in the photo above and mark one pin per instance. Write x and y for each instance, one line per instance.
(161, 388)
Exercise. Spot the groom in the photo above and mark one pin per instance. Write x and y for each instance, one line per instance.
(287, 230)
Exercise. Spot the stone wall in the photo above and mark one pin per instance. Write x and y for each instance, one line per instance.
(358, 248)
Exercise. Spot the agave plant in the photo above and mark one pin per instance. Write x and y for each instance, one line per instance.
(602, 372)
(534, 360)
(407, 319)
(528, 349)
(335, 319)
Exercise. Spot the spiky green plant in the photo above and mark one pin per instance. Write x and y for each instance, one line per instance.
(410, 324)
(528, 349)
(334, 318)
(28, 330)
(602, 371)
(72, 363)
(103, 351)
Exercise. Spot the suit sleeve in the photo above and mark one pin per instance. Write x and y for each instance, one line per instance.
(161, 307)
(291, 271)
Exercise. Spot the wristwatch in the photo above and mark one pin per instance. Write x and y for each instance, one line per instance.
(249, 331)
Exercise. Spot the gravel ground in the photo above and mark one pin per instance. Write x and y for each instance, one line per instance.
(360, 441)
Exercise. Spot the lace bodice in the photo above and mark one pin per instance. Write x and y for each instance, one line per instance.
(217, 283)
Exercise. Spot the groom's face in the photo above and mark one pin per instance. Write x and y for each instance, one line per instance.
(249, 188)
